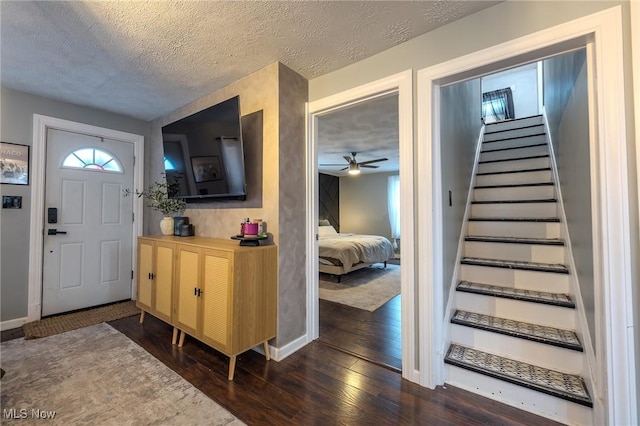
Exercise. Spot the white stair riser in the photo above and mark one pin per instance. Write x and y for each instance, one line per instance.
(514, 165)
(535, 313)
(516, 210)
(540, 354)
(510, 143)
(513, 124)
(520, 397)
(543, 192)
(514, 133)
(514, 178)
(515, 229)
(516, 252)
(527, 151)
(516, 278)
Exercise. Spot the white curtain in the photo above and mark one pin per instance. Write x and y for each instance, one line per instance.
(393, 196)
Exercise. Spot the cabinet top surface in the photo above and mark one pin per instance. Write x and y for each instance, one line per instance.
(218, 243)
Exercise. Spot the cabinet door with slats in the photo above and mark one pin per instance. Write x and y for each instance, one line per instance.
(145, 271)
(216, 309)
(187, 285)
(163, 280)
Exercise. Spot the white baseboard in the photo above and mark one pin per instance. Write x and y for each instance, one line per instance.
(278, 354)
(14, 323)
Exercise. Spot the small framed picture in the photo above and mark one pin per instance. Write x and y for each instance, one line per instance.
(206, 169)
(11, 202)
(14, 164)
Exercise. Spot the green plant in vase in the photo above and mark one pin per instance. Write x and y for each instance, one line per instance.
(157, 198)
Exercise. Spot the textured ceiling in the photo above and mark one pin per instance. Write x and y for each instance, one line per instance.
(369, 128)
(145, 59)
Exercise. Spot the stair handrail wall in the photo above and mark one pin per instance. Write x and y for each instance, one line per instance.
(582, 327)
(455, 277)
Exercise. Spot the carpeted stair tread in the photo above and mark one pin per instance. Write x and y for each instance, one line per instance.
(510, 264)
(514, 219)
(537, 169)
(556, 299)
(515, 240)
(545, 200)
(538, 333)
(502, 160)
(569, 387)
(514, 185)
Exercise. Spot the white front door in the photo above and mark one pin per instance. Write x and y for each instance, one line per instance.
(88, 223)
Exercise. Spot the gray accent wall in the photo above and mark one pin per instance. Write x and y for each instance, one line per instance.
(363, 204)
(460, 124)
(16, 126)
(566, 102)
(280, 95)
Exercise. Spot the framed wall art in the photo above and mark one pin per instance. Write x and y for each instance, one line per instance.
(14, 164)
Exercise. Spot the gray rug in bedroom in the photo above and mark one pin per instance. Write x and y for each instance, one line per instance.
(96, 375)
(367, 288)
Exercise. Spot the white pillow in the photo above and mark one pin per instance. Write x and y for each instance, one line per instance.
(324, 231)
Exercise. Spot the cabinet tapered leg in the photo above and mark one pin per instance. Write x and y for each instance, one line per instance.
(182, 333)
(141, 317)
(267, 355)
(232, 366)
(174, 339)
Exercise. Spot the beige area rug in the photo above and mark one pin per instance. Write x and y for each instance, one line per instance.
(73, 321)
(367, 288)
(98, 376)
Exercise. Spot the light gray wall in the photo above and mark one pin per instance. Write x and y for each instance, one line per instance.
(481, 30)
(460, 126)
(16, 126)
(363, 204)
(523, 82)
(572, 153)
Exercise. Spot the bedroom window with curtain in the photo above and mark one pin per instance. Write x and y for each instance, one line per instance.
(497, 105)
(393, 201)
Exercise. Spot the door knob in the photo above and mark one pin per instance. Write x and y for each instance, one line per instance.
(54, 231)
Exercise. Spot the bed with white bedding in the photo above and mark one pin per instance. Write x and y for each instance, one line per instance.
(341, 253)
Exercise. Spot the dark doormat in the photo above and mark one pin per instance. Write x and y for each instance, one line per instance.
(72, 321)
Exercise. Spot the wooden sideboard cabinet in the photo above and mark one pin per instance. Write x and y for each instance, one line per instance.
(222, 294)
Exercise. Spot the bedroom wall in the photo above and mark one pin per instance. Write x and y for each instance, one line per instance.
(16, 126)
(460, 127)
(363, 204)
(278, 94)
(329, 199)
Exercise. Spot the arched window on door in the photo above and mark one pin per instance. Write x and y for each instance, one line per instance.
(92, 159)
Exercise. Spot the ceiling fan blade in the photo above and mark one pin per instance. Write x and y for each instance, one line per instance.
(368, 166)
(373, 161)
(341, 170)
(331, 165)
(349, 159)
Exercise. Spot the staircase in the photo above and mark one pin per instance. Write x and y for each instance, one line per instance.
(512, 328)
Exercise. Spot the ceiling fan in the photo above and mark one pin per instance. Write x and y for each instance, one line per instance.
(354, 166)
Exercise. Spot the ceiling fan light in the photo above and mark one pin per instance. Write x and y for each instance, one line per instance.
(354, 169)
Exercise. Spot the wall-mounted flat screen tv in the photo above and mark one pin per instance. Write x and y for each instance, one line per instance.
(204, 155)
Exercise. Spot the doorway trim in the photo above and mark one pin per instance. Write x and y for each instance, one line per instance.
(41, 123)
(402, 84)
(614, 320)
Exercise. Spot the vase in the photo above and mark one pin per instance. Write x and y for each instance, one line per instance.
(166, 225)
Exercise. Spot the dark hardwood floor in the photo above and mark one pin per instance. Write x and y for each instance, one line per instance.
(317, 385)
(374, 336)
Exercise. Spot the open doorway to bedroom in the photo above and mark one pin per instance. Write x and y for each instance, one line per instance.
(359, 278)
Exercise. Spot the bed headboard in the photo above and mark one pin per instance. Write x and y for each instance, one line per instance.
(329, 199)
